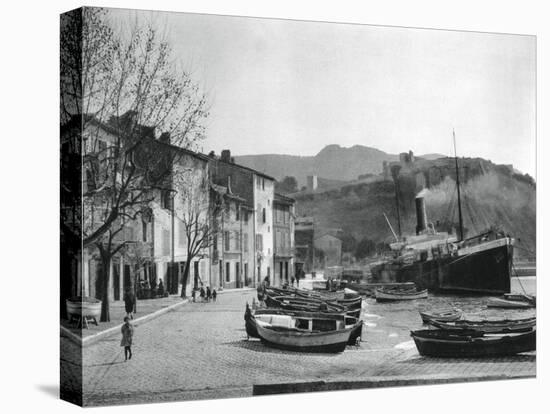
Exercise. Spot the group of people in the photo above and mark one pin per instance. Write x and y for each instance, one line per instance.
(205, 294)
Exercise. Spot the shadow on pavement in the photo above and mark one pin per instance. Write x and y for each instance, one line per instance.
(49, 389)
(106, 364)
(257, 346)
(428, 360)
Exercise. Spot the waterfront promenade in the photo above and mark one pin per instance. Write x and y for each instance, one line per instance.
(200, 350)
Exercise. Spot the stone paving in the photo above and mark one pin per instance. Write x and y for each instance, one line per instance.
(200, 351)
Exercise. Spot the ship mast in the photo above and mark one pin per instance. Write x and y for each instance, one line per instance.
(461, 224)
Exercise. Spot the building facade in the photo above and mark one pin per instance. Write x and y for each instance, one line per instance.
(283, 239)
(181, 223)
(257, 191)
(232, 250)
(332, 250)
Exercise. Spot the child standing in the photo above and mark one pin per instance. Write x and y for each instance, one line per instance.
(127, 331)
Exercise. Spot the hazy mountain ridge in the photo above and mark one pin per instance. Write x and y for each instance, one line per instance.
(332, 162)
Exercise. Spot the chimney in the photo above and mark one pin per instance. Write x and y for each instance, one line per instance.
(421, 217)
(226, 155)
(165, 137)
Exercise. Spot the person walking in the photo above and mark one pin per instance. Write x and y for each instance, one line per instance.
(208, 293)
(129, 302)
(127, 331)
(202, 293)
(214, 295)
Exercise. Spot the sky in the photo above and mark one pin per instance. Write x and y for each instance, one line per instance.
(293, 87)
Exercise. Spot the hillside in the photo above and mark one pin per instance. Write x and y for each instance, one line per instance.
(332, 162)
(492, 195)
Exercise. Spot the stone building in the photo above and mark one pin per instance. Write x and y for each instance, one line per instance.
(257, 190)
(283, 239)
(232, 252)
(178, 213)
(304, 249)
(331, 247)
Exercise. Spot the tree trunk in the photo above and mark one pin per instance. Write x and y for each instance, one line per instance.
(105, 273)
(185, 278)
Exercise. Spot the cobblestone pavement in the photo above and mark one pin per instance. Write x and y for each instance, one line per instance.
(200, 351)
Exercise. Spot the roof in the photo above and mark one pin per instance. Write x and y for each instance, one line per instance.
(280, 198)
(245, 168)
(185, 151)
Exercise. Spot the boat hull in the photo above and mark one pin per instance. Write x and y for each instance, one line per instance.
(508, 304)
(483, 269)
(382, 296)
(434, 343)
(502, 326)
(441, 316)
(293, 340)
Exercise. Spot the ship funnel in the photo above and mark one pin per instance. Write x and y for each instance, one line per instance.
(421, 217)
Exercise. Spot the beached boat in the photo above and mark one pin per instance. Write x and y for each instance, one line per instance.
(450, 315)
(508, 304)
(293, 339)
(487, 326)
(469, 344)
(368, 289)
(384, 295)
(521, 297)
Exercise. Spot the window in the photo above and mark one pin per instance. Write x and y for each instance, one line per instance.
(181, 234)
(268, 201)
(237, 212)
(268, 271)
(165, 199)
(227, 245)
(259, 242)
(258, 215)
(215, 241)
(268, 229)
(165, 242)
(245, 216)
(237, 241)
(144, 230)
(245, 242)
(227, 271)
(263, 215)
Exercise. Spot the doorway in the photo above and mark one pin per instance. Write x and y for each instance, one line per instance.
(116, 280)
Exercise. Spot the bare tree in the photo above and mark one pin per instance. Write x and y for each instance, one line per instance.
(197, 212)
(123, 91)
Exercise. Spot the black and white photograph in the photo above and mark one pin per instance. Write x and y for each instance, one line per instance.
(260, 206)
(263, 206)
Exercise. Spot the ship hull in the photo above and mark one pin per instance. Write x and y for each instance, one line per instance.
(481, 269)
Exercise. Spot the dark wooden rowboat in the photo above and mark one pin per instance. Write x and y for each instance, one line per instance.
(519, 297)
(439, 343)
(488, 326)
(445, 316)
(384, 295)
(508, 304)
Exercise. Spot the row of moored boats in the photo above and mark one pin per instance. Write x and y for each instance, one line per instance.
(324, 321)
(306, 321)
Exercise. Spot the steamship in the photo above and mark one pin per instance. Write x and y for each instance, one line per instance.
(441, 262)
